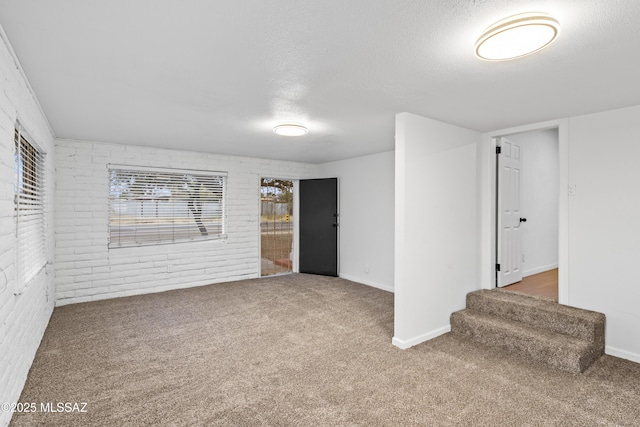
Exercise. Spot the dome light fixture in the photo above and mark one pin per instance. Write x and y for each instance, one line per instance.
(517, 36)
(290, 129)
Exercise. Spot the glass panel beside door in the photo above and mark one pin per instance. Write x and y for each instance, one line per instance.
(276, 226)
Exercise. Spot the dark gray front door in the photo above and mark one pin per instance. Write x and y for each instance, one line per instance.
(319, 226)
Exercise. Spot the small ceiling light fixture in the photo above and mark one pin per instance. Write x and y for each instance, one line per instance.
(517, 36)
(290, 129)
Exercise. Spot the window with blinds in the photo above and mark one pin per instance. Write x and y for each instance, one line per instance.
(149, 206)
(29, 183)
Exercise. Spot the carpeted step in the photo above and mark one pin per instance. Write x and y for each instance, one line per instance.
(540, 312)
(555, 349)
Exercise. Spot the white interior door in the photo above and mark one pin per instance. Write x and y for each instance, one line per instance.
(509, 214)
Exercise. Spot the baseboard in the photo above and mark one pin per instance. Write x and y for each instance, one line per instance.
(623, 354)
(59, 302)
(537, 270)
(366, 282)
(405, 344)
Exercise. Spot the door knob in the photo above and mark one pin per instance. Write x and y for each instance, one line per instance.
(523, 219)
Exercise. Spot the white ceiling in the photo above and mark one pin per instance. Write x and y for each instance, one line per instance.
(216, 76)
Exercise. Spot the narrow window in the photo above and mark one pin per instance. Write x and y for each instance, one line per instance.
(149, 206)
(276, 226)
(29, 185)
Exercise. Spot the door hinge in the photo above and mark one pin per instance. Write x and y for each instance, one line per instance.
(498, 149)
(497, 267)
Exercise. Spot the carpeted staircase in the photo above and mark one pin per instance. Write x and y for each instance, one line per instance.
(563, 337)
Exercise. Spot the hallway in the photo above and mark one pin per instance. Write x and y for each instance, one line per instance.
(543, 284)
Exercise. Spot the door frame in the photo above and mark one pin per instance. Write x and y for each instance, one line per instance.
(488, 197)
(296, 226)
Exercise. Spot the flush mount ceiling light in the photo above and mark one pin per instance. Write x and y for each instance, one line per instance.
(517, 36)
(290, 129)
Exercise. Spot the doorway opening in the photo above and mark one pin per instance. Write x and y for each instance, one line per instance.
(527, 212)
(276, 226)
(543, 284)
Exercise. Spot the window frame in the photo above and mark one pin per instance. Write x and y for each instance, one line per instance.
(30, 208)
(165, 180)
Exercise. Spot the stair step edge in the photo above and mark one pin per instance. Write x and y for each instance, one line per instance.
(538, 302)
(577, 354)
(547, 334)
(548, 317)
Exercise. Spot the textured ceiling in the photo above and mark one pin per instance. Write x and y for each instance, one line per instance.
(216, 76)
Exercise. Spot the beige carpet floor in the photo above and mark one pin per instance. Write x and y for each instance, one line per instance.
(297, 350)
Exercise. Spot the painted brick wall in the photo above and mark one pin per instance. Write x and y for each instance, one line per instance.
(86, 269)
(23, 316)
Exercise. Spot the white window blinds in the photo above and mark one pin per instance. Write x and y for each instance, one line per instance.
(150, 206)
(29, 183)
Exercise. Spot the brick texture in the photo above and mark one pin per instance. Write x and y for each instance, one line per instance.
(87, 270)
(24, 309)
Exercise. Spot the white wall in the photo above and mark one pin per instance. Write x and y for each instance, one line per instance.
(366, 186)
(436, 233)
(604, 231)
(539, 199)
(87, 270)
(24, 317)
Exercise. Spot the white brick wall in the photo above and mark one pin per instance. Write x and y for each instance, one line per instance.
(87, 270)
(24, 317)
